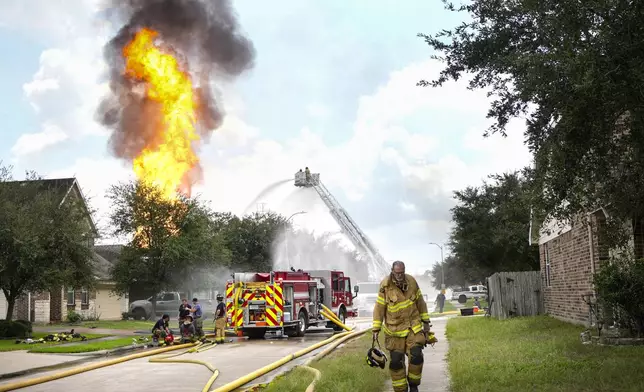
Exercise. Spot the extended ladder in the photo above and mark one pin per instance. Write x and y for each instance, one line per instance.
(378, 266)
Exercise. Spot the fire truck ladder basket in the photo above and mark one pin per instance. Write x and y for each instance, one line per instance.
(378, 266)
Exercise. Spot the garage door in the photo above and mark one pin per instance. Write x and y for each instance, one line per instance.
(108, 305)
(3, 306)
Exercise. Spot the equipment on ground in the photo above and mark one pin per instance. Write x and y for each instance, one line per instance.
(378, 266)
(375, 356)
(288, 301)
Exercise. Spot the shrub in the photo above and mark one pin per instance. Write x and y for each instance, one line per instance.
(15, 329)
(620, 284)
(73, 317)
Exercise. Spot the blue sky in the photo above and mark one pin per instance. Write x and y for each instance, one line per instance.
(333, 88)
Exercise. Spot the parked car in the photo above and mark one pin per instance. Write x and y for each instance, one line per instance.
(463, 294)
(167, 302)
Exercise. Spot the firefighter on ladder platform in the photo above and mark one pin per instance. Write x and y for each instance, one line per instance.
(220, 320)
(406, 326)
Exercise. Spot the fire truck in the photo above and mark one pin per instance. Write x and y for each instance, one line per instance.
(286, 301)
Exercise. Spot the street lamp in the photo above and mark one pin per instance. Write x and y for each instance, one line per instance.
(288, 261)
(442, 264)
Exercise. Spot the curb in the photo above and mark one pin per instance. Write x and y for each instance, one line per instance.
(87, 357)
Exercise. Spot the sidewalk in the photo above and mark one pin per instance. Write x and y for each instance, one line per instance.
(435, 375)
(22, 361)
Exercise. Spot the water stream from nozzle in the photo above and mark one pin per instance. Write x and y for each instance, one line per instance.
(265, 192)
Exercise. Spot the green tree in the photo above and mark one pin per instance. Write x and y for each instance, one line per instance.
(454, 271)
(174, 243)
(573, 70)
(250, 239)
(491, 225)
(44, 237)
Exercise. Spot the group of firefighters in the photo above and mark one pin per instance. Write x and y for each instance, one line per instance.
(400, 312)
(191, 323)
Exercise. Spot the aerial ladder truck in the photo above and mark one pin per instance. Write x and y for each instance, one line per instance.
(377, 265)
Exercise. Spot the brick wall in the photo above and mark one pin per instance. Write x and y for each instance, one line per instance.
(570, 273)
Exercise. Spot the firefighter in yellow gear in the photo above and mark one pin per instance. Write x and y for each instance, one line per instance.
(220, 320)
(401, 313)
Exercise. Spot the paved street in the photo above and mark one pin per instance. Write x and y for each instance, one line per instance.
(233, 360)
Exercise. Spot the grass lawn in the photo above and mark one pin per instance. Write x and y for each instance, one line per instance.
(10, 345)
(536, 354)
(470, 303)
(344, 370)
(85, 347)
(119, 324)
(449, 307)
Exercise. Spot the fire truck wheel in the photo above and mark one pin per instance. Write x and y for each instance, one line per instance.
(303, 325)
(343, 319)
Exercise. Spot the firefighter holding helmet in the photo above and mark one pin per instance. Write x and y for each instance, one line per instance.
(401, 306)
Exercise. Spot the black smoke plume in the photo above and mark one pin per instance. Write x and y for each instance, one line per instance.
(205, 33)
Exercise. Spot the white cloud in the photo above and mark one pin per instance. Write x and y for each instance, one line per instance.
(29, 143)
(407, 207)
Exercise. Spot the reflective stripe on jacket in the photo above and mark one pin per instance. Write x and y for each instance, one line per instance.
(400, 311)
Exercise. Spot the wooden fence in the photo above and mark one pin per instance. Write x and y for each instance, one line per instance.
(513, 294)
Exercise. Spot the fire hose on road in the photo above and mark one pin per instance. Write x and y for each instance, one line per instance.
(83, 369)
(337, 339)
(199, 347)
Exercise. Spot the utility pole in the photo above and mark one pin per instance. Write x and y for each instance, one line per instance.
(442, 264)
(288, 261)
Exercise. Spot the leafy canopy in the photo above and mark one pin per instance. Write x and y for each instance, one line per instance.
(491, 225)
(173, 242)
(574, 71)
(45, 237)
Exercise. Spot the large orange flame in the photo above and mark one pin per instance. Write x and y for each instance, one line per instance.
(168, 162)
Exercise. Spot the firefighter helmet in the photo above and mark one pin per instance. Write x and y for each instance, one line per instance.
(375, 356)
(220, 297)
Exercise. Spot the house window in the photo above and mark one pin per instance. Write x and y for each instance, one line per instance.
(71, 297)
(84, 297)
(546, 255)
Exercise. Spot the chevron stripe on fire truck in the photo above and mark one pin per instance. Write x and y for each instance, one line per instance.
(269, 295)
(271, 318)
(229, 297)
(239, 318)
(278, 297)
(246, 296)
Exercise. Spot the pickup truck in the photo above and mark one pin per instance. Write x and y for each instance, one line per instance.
(463, 294)
(167, 302)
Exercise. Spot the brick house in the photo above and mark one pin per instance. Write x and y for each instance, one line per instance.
(569, 257)
(53, 306)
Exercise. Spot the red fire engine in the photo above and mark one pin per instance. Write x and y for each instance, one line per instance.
(289, 301)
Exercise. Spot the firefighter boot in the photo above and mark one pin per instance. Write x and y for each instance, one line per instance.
(413, 388)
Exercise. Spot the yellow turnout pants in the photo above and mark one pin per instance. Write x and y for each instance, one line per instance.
(220, 330)
(398, 347)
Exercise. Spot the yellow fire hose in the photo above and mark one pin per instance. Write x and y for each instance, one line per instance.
(316, 377)
(82, 369)
(231, 386)
(335, 320)
(324, 353)
(196, 349)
